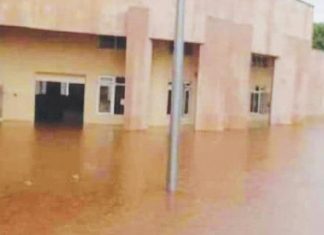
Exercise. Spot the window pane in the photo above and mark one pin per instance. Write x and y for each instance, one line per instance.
(186, 104)
(65, 89)
(43, 88)
(121, 43)
(169, 102)
(185, 101)
(105, 99)
(120, 80)
(107, 42)
(252, 102)
(189, 49)
(119, 100)
(38, 88)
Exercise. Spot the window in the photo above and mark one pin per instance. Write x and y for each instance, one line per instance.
(112, 95)
(260, 101)
(41, 88)
(119, 96)
(111, 42)
(65, 88)
(186, 98)
(188, 48)
(262, 61)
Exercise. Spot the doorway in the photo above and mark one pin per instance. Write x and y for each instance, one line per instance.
(59, 102)
(261, 85)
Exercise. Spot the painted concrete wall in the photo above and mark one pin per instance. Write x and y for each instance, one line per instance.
(316, 85)
(27, 52)
(223, 81)
(270, 18)
(292, 70)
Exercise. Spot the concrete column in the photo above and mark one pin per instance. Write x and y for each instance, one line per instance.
(223, 81)
(237, 92)
(315, 86)
(302, 81)
(283, 87)
(138, 69)
(292, 73)
(212, 75)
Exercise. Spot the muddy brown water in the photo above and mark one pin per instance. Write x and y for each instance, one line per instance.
(102, 180)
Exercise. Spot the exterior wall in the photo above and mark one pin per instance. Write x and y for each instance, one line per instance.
(292, 70)
(229, 32)
(316, 85)
(270, 18)
(162, 75)
(69, 54)
(223, 82)
(27, 52)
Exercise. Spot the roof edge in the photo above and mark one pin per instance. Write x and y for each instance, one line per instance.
(306, 3)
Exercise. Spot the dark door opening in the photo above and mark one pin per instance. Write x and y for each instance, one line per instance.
(57, 102)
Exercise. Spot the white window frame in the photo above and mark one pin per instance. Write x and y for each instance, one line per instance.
(259, 94)
(65, 88)
(41, 88)
(112, 84)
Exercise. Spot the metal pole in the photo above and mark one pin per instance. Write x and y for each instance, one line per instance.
(177, 96)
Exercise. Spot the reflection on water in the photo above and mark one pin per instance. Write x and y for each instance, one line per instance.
(102, 180)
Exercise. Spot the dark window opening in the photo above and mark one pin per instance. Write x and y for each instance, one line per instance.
(169, 102)
(112, 42)
(121, 43)
(188, 48)
(186, 103)
(262, 61)
(186, 99)
(53, 106)
(119, 107)
(106, 42)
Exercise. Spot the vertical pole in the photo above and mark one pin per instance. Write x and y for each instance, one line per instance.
(177, 96)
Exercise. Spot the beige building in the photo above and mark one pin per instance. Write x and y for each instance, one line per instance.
(110, 62)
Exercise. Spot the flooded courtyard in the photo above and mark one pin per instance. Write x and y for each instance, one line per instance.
(103, 180)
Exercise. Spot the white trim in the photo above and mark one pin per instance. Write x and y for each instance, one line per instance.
(62, 78)
(65, 88)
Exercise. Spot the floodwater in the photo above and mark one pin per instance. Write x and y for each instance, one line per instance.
(102, 180)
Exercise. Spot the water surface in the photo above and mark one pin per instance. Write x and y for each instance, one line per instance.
(103, 180)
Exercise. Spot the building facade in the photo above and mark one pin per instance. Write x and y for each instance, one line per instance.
(110, 62)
